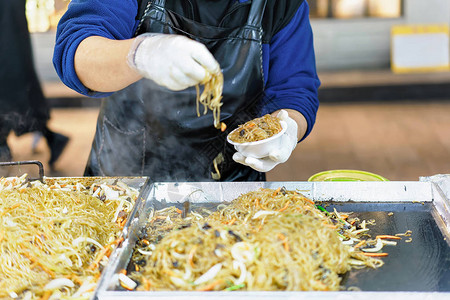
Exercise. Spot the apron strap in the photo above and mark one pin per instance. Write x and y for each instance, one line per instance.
(142, 5)
(161, 3)
(256, 13)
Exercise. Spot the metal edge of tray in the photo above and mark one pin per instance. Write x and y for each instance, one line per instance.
(441, 194)
(136, 182)
(129, 234)
(306, 295)
(400, 191)
(441, 211)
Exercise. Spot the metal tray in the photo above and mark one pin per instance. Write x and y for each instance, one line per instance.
(417, 270)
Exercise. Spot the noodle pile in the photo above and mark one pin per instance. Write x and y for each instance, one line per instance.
(256, 130)
(211, 97)
(55, 239)
(265, 240)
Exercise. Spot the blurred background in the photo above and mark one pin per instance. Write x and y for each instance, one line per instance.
(385, 93)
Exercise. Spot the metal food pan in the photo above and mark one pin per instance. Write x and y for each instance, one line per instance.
(138, 183)
(417, 270)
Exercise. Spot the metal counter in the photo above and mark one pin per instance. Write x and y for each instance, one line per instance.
(416, 270)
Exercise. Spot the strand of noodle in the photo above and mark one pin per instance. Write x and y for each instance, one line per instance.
(211, 96)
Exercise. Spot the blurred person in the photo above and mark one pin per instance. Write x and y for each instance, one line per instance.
(23, 107)
(145, 59)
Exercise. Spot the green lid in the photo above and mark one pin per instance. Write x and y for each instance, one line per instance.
(346, 175)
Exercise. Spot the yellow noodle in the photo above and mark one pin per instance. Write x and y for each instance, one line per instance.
(211, 96)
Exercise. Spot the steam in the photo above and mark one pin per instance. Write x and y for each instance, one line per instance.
(161, 136)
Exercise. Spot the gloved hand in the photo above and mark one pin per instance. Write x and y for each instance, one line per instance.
(170, 60)
(278, 155)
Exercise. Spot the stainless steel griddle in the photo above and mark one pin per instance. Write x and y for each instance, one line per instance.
(416, 270)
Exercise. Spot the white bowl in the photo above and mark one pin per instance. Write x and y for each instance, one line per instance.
(259, 149)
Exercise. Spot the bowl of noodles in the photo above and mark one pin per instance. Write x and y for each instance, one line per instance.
(258, 137)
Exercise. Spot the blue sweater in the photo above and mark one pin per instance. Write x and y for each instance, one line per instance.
(288, 59)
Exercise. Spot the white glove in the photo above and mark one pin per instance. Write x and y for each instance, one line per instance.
(170, 60)
(278, 155)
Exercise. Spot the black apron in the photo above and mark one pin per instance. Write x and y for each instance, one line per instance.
(148, 130)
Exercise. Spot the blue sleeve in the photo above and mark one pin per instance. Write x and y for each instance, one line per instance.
(114, 19)
(290, 69)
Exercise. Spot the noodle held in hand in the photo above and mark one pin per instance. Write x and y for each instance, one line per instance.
(211, 97)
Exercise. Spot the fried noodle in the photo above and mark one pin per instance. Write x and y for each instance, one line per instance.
(211, 96)
(54, 239)
(264, 240)
(256, 130)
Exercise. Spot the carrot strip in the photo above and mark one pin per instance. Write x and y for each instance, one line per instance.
(210, 286)
(9, 209)
(99, 257)
(329, 226)
(179, 210)
(259, 205)
(284, 208)
(146, 284)
(191, 256)
(35, 261)
(122, 224)
(259, 227)
(359, 244)
(262, 207)
(104, 252)
(232, 221)
(75, 279)
(108, 252)
(284, 239)
(97, 276)
(374, 254)
(277, 191)
(386, 236)
(91, 289)
(308, 200)
(322, 285)
(46, 295)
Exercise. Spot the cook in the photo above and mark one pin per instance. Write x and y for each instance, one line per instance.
(145, 58)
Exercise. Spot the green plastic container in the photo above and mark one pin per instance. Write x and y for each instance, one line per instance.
(346, 175)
